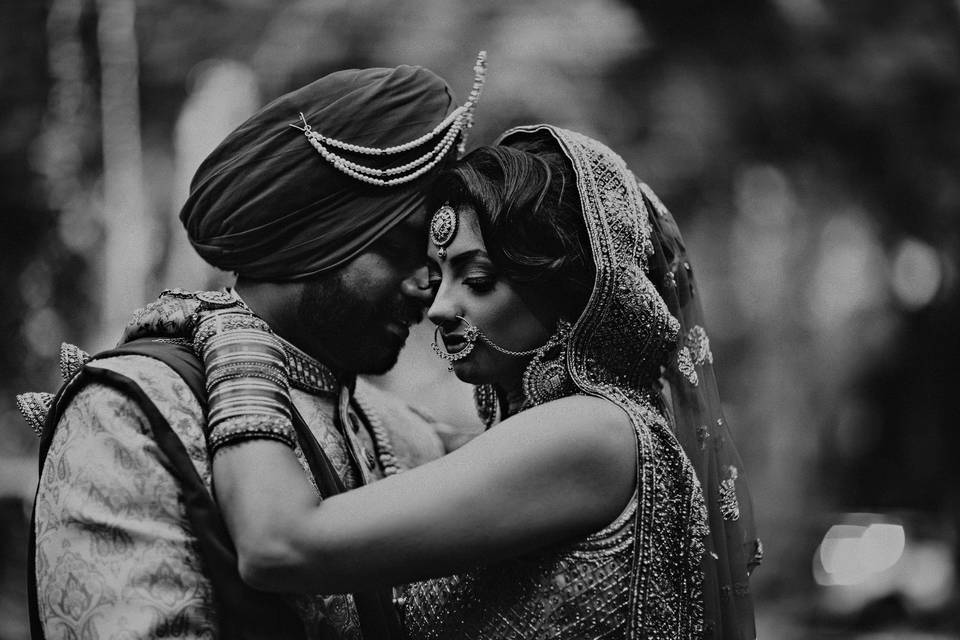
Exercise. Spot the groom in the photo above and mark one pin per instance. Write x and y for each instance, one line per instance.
(323, 224)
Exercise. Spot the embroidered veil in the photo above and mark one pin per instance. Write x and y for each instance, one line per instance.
(643, 327)
(733, 549)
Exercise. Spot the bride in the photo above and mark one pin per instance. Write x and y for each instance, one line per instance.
(606, 499)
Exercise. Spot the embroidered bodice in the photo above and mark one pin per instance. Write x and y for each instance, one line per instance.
(585, 589)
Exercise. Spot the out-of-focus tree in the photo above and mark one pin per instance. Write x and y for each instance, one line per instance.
(28, 253)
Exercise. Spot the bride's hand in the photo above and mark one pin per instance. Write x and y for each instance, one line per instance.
(172, 315)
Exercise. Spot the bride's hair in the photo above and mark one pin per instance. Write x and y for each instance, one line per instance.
(528, 206)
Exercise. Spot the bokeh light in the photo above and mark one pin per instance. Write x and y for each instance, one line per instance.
(916, 273)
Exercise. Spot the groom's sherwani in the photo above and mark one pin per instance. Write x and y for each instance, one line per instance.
(119, 548)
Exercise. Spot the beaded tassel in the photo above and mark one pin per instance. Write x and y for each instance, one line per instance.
(479, 78)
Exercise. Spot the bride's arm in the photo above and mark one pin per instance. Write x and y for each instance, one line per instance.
(549, 474)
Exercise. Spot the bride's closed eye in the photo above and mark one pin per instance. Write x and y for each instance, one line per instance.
(480, 283)
(433, 280)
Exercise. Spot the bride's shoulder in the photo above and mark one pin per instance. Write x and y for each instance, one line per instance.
(584, 441)
(596, 424)
(580, 409)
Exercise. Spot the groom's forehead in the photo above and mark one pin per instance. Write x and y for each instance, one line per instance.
(414, 226)
(411, 230)
(417, 220)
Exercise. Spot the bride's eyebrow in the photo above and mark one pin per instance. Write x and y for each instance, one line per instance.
(460, 259)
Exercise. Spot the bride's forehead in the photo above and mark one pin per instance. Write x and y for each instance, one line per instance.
(467, 235)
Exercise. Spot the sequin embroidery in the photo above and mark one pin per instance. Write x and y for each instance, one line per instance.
(640, 577)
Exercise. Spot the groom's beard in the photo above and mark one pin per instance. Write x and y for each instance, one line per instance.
(351, 330)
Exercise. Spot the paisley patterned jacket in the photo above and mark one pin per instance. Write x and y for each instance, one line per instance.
(116, 554)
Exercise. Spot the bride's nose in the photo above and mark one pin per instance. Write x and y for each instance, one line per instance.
(444, 309)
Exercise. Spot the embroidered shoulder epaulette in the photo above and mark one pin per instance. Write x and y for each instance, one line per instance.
(35, 405)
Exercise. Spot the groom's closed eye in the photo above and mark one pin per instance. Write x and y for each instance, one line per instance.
(402, 249)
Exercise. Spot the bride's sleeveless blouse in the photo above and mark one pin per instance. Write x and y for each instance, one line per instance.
(625, 581)
(641, 576)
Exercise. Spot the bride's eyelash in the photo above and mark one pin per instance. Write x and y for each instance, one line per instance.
(481, 284)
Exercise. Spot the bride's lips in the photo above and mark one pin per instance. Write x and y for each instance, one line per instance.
(454, 343)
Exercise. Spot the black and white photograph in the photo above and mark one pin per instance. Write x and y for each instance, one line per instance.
(466, 320)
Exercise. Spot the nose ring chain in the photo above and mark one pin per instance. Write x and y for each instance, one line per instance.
(471, 335)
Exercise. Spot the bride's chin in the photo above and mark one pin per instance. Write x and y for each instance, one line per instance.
(467, 371)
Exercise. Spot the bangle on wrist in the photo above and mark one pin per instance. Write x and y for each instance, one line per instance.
(251, 427)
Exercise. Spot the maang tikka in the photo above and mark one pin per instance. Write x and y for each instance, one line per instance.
(443, 228)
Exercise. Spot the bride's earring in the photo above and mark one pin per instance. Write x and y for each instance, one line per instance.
(546, 377)
(487, 402)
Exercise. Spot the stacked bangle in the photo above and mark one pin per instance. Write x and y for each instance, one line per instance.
(251, 427)
(246, 378)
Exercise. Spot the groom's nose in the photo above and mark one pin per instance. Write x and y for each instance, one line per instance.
(417, 286)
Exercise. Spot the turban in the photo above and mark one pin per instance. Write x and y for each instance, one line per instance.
(266, 205)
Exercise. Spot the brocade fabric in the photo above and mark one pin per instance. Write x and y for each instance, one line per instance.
(115, 556)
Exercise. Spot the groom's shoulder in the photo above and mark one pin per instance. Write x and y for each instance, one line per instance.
(143, 370)
(157, 379)
(147, 358)
(166, 376)
(112, 392)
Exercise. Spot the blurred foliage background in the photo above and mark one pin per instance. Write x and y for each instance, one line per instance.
(808, 148)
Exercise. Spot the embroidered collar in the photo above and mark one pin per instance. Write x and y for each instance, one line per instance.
(310, 375)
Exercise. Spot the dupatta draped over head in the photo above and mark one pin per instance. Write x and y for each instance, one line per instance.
(266, 205)
(695, 541)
